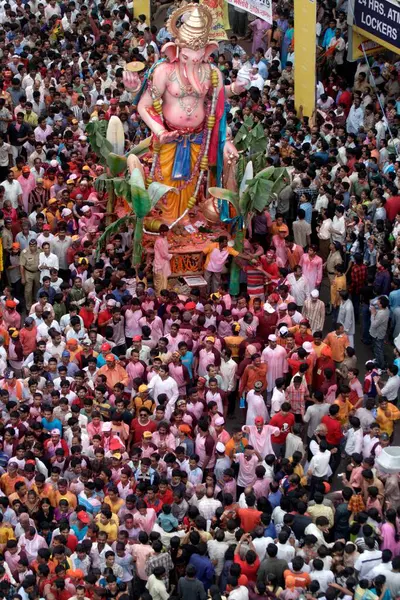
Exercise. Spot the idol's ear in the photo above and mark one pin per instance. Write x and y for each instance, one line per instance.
(171, 51)
(210, 48)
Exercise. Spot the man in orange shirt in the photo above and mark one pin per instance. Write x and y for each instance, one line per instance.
(301, 578)
(250, 516)
(9, 479)
(338, 342)
(63, 494)
(115, 373)
(27, 336)
(256, 371)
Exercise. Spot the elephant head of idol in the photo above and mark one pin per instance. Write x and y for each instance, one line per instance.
(191, 46)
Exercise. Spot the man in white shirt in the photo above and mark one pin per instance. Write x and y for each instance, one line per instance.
(391, 388)
(384, 567)
(5, 157)
(164, 384)
(354, 437)
(324, 576)
(278, 395)
(227, 371)
(47, 261)
(48, 323)
(318, 529)
(236, 591)
(260, 542)
(393, 578)
(298, 285)
(369, 559)
(370, 440)
(208, 505)
(285, 551)
(13, 190)
(319, 468)
(338, 226)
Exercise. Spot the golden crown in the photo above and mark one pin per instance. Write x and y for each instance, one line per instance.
(194, 32)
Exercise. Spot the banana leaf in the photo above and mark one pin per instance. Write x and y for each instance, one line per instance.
(122, 188)
(98, 138)
(136, 178)
(240, 169)
(258, 141)
(259, 191)
(259, 161)
(102, 127)
(140, 201)
(113, 228)
(281, 182)
(115, 163)
(157, 190)
(140, 148)
(244, 203)
(100, 183)
(224, 194)
(267, 173)
(90, 128)
(278, 172)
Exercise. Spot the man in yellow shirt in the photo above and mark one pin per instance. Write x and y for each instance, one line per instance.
(386, 414)
(6, 533)
(338, 284)
(105, 523)
(344, 404)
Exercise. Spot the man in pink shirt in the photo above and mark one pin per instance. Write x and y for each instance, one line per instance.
(179, 372)
(206, 356)
(135, 367)
(248, 460)
(162, 257)
(217, 254)
(140, 552)
(312, 267)
(155, 324)
(276, 357)
(259, 436)
(145, 518)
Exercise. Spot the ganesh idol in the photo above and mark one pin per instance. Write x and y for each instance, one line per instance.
(183, 103)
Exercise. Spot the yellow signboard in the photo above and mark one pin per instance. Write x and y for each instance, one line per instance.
(304, 51)
(219, 9)
(142, 7)
(361, 44)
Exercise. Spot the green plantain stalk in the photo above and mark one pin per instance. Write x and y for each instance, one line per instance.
(234, 282)
(137, 243)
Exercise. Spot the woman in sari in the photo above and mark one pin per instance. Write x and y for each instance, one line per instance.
(287, 43)
(259, 28)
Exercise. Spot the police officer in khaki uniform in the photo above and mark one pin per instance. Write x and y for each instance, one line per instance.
(30, 274)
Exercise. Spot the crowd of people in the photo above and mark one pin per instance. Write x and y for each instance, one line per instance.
(158, 445)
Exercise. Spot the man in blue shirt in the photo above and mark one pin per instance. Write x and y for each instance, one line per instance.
(260, 62)
(329, 34)
(306, 206)
(186, 357)
(49, 422)
(205, 571)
